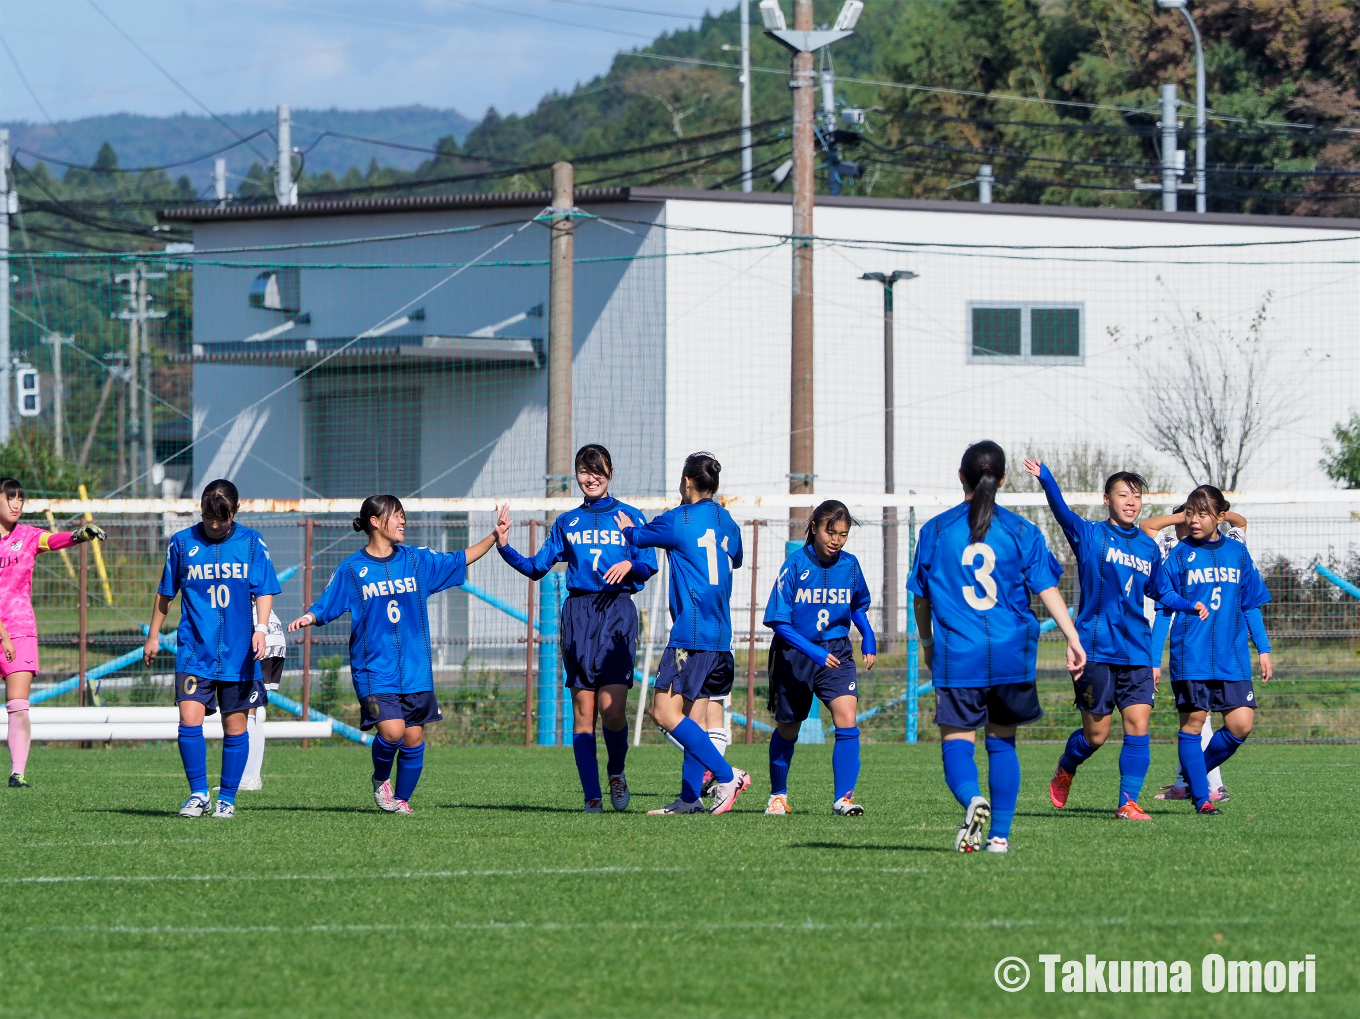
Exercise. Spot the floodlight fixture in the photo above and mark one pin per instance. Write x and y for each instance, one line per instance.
(773, 16)
(849, 15)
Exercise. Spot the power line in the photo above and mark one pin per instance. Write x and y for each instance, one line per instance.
(139, 169)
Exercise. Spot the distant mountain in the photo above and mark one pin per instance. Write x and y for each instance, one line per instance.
(156, 141)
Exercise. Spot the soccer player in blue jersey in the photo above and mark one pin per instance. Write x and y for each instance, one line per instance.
(599, 626)
(1117, 567)
(975, 569)
(1210, 660)
(384, 587)
(217, 567)
(819, 593)
(704, 546)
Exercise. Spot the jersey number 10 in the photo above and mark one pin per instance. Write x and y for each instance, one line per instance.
(219, 596)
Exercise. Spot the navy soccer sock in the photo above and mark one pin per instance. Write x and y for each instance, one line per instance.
(1223, 745)
(845, 761)
(235, 750)
(193, 752)
(410, 762)
(960, 770)
(1003, 782)
(781, 757)
(1077, 751)
(583, 747)
(1134, 759)
(616, 745)
(691, 778)
(1192, 763)
(690, 735)
(384, 753)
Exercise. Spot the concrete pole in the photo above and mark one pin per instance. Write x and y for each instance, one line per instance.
(148, 416)
(285, 193)
(4, 287)
(58, 394)
(1201, 117)
(889, 474)
(560, 349)
(134, 362)
(220, 181)
(985, 182)
(746, 95)
(1169, 182)
(801, 418)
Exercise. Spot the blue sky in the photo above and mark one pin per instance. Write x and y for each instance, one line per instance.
(237, 55)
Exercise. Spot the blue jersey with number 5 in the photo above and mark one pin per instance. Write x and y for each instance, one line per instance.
(389, 637)
(985, 632)
(216, 620)
(704, 546)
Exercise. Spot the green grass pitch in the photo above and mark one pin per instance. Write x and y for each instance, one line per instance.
(499, 898)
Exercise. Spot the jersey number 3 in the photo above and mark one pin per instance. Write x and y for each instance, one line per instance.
(982, 576)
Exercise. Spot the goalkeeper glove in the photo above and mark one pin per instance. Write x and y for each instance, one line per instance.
(88, 532)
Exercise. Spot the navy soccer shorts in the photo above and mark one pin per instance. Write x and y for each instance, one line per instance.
(695, 674)
(1213, 694)
(230, 697)
(599, 639)
(412, 708)
(1103, 686)
(969, 707)
(795, 678)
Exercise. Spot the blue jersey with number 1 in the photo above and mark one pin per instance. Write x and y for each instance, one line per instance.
(389, 638)
(704, 543)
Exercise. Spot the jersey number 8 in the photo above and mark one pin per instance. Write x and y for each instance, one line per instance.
(982, 576)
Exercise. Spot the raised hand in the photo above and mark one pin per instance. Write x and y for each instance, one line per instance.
(503, 526)
(89, 532)
(1033, 466)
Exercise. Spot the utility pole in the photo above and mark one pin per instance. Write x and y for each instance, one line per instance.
(746, 97)
(1170, 186)
(985, 182)
(148, 415)
(58, 392)
(139, 371)
(285, 191)
(5, 202)
(1201, 113)
(220, 181)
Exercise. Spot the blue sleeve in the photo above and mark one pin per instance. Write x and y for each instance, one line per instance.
(1039, 566)
(1165, 594)
(334, 601)
(536, 566)
(443, 570)
(1160, 629)
(660, 533)
(779, 609)
(917, 583)
(860, 599)
(868, 643)
(170, 575)
(1256, 626)
(1254, 590)
(263, 580)
(798, 642)
(1074, 527)
(643, 559)
(740, 552)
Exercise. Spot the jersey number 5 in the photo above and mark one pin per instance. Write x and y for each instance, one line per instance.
(709, 543)
(982, 576)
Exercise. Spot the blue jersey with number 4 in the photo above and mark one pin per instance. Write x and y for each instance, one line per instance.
(1222, 575)
(817, 599)
(389, 637)
(985, 632)
(704, 543)
(217, 580)
(590, 543)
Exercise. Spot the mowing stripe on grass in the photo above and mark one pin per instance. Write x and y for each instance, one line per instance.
(61, 879)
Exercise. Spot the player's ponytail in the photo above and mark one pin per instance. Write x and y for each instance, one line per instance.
(983, 467)
(702, 469)
(219, 501)
(830, 512)
(1207, 499)
(380, 506)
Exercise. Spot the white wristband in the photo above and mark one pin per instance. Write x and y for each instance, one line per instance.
(261, 628)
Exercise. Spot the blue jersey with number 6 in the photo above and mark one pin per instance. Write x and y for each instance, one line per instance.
(985, 632)
(216, 619)
(704, 544)
(389, 637)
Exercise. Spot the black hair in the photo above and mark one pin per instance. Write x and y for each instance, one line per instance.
(829, 512)
(983, 466)
(702, 469)
(219, 500)
(380, 506)
(595, 459)
(1207, 498)
(1131, 478)
(12, 487)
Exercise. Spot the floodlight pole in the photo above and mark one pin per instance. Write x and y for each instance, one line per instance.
(1170, 185)
(285, 191)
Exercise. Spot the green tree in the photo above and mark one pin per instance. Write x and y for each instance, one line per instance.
(1342, 456)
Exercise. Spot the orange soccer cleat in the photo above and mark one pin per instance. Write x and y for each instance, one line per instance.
(1130, 811)
(1060, 787)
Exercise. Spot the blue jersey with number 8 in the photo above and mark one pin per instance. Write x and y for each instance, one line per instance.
(704, 546)
(389, 638)
(985, 632)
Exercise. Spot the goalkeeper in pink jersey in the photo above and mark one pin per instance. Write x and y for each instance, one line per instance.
(20, 546)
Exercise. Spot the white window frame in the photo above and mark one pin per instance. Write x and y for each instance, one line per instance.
(1025, 357)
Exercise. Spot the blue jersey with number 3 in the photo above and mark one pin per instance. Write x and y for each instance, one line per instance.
(704, 546)
(217, 580)
(985, 632)
(389, 637)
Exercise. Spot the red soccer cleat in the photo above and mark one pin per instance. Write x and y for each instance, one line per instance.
(1130, 811)
(1060, 787)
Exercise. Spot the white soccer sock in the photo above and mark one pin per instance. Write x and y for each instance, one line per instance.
(1205, 735)
(719, 739)
(255, 759)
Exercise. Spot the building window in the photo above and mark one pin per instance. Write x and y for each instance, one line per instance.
(1019, 332)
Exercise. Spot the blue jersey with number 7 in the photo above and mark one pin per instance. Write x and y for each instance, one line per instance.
(704, 546)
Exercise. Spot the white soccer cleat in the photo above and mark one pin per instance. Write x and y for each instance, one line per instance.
(619, 795)
(847, 807)
(997, 845)
(401, 807)
(383, 797)
(778, 805)
(678, 806)
(195, 806)
(709, 787)
(250, 785)
(975, 818)
(726, 793)
(594, 807)
(224, 809)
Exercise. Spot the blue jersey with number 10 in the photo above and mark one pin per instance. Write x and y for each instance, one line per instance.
(704, 543)
(985, 632)
(389, 638)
